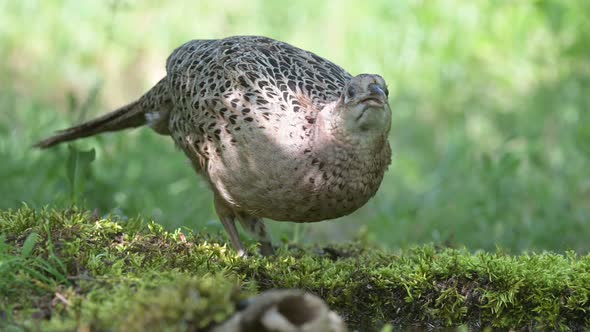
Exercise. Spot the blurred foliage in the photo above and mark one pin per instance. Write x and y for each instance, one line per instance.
(491, 125)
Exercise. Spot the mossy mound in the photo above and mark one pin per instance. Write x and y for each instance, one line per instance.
(64, 270)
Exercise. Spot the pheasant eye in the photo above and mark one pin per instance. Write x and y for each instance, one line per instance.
(350, 92)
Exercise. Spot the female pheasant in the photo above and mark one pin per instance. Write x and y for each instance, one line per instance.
(278, 132)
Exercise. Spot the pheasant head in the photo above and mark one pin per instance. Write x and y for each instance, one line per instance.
(362, 114)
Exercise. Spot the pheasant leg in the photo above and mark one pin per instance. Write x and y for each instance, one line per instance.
(256, 227)
(226, 216)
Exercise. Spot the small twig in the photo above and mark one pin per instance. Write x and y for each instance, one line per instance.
(60, 298)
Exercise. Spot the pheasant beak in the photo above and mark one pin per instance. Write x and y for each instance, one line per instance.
(376, 90)
(375, 97)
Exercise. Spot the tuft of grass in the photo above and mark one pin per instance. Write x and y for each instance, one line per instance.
(70, 269)
(78, 169)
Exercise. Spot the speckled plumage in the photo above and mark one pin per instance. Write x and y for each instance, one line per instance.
(277, 131)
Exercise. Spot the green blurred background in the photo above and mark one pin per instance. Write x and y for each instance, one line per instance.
(490, 100)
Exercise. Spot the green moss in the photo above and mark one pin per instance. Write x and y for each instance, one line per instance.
(61, 270)
(162, 301)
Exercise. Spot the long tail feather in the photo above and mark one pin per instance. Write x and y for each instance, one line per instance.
(153, 108)
(129, 116)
